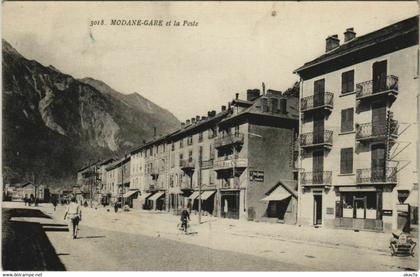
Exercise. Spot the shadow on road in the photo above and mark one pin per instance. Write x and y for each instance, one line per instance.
(25, 245)
(91, 237)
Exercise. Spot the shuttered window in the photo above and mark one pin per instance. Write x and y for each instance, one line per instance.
(347, 81)
(347, 122)
(346, 161)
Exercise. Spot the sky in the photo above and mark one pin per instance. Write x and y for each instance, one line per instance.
(188, 69)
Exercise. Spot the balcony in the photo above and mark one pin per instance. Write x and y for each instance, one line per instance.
(187, 165)
(230, 162)
(322, 139)
(319, 102)
(228, 140)
(384, 87)
(151, 187)
(154, 172)
(229, 184)
(207, 164)
(370, 132)
(316, 179)
(369, 176)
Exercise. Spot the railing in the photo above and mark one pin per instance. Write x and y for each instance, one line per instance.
(229, 139)
(376, 175)
(230, 161)
(317, 101)
(315, 138)
(187, 163)
(369, 88)
(230, 184)
(207, 164)
(374, 130)
(320, 178)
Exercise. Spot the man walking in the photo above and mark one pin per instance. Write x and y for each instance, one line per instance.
(74, 216)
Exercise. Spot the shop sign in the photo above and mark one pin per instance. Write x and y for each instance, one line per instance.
(257, 176)
(402, 208)
(330, 210)
(387, 212)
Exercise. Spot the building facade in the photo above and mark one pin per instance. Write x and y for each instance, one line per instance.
(358, 131)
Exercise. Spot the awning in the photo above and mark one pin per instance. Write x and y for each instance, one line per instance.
(156, 196)
(144, 196)
(356, 189)
(413, 198)
(130, 193)
(206, 194)
(194, 195)
(280, 193)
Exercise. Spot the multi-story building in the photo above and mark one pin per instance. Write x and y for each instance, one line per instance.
(358, 133)
(254, 157)
(103, 190)
(191, 161)
(118, 180)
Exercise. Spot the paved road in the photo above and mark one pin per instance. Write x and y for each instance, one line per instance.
(104, 250)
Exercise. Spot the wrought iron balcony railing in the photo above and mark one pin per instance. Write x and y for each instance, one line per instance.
(377, 131)
(316, 178)
(187, 164)
(226, 140)
(229, 162)
(386, 84)
(313, 139)
(317, 101)
(207, 164)
(376, 175)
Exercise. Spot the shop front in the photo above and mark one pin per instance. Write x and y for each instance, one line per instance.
(359, 209)
(230, 204)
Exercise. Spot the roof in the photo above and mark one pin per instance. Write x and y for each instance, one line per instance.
(89, 165)
(382, 35)
(201, 124)
(287, 185)
(118, 163)
(255, 109)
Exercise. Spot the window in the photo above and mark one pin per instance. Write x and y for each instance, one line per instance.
(347, 81)
(346, 161)
(181, 143)
(189, 140)
(173, 146)
(264, 104)
(274, 105)
(283, 106)
(180, 158)
(347, 124)
(236, 130)
(190, 154)
(200, 137)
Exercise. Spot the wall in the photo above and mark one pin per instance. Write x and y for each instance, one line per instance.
(271, 153)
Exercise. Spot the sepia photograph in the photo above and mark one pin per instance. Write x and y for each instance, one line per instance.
(210, 136)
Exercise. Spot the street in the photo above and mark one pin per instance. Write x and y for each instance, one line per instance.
(151, 242)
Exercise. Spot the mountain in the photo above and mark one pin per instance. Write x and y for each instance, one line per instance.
(54, 124)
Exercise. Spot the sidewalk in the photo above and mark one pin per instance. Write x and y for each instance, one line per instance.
(307, 234)
(163, 222)
(320, 249)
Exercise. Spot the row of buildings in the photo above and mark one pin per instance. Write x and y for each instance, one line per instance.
(340, 154)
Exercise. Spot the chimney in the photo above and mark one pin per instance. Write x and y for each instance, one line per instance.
(197, 118)
(252, 94)
(349, 34)
(182, 124)
(203, 118)
(193, 120)
(213, 113)
(188, 122)
(154, 132)
(209, 114)
(223, 108)
(332, 42)
(237, 96)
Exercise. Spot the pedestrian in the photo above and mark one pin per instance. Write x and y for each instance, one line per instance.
(116, 207)
(54, 203)
(74, 216)
(185, 217)
(25, 199)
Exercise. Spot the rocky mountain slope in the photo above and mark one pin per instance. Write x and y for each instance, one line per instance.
(53, 123)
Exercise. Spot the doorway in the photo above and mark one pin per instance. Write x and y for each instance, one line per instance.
(317, 167)
(319, 126)
(378, 119)
(379, 71)
(378, 163)
(319, 92)
(317, 209)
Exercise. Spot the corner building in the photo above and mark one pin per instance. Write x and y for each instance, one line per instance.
(358, 130)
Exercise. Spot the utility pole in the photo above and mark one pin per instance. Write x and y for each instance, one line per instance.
(199, 191)
(122, 184)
